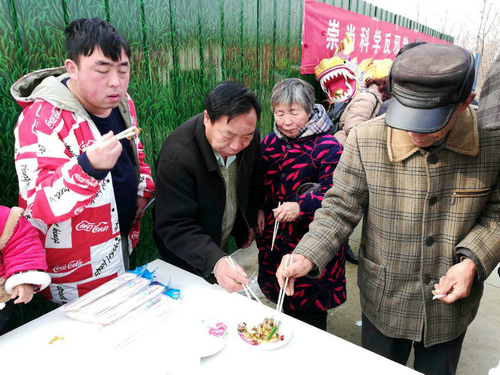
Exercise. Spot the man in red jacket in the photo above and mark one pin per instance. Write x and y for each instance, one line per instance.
(82, 187)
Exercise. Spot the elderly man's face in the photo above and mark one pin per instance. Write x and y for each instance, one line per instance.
(428, 139)
(229, 138)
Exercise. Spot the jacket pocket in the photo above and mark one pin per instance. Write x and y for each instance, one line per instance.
(469, 202)
(469, 193)
(371, 280)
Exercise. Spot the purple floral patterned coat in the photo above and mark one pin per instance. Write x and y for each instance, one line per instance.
(287, 166)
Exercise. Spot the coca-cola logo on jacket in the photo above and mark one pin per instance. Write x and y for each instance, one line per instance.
(68, 267)
(87, 226)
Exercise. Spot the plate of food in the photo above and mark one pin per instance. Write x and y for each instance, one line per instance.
(265, 334)
(213, 337)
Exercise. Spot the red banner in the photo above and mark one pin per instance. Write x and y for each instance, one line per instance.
(324, 27)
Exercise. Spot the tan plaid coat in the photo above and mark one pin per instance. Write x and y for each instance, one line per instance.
(418, 208)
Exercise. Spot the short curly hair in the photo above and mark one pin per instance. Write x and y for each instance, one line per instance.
(382, 86)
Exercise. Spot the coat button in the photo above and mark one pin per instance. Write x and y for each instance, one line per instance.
(426, 279)
(283, 175)
(433, 201)
(112, 210)
(288, 147)
(429, 241)
(433, 159)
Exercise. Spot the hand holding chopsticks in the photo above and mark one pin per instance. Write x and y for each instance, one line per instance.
(281, 297)
(127, 133)
(103, 154)
(247, 289)
(301, 266)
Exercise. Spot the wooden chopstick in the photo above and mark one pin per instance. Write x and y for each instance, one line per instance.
(246, 288)
(275, 232)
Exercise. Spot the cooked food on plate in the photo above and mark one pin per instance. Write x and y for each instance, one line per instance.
(265, 332)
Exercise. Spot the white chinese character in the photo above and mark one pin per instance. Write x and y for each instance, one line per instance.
(405, 41)
(365, 39)
(397, 44)
(350, 31)
(377, 38)
(333, 34)
(387, 44)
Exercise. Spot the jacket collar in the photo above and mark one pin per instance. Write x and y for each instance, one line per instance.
(206, 150)
(463, 139)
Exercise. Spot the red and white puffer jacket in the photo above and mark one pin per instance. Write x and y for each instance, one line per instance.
(74, 213)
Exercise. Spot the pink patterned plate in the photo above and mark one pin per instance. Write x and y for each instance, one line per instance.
(213, 337)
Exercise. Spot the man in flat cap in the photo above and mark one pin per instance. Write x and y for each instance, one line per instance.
(426, 179)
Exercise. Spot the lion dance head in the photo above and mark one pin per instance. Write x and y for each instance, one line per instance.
(342, 78)
(336, 75)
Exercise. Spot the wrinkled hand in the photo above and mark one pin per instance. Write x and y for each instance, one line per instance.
(300, 267)
(251, 236)
(141, 203)
(23, 292)
(106, 152)
(261, 221)
(229, 278)
(288, 211)
(457, 282)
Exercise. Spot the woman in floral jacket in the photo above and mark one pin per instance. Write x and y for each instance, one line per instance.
(298, 158)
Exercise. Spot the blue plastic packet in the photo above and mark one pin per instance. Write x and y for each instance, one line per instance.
(171, 292)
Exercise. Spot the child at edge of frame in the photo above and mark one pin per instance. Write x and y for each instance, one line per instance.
(22, 262)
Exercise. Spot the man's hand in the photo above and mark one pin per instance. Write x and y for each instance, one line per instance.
(457, 282)
(261, 221)
(251, 236)
(229, 278)
(288, 211)
(141, 203)
(300, 267)
(105, 154)
(23, 292)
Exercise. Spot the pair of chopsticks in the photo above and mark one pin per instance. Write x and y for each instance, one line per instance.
(275, 232)
(281, 296)
(127, 133)
(247, 289)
